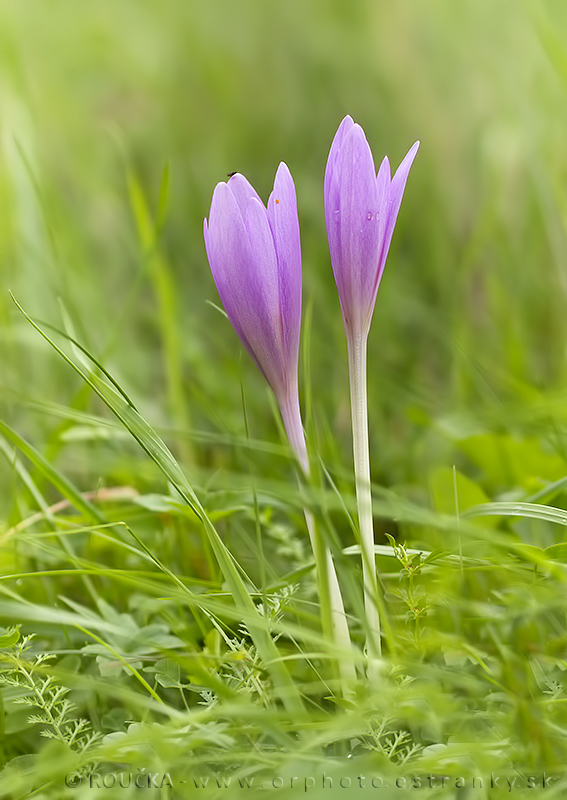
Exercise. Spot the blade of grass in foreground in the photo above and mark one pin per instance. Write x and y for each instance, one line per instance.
(120, 405)
(70, 492)
(65, 487)
(164, 287)
(505, 509)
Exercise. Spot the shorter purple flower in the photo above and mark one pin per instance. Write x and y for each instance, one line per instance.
(361, 209)
(255, 256)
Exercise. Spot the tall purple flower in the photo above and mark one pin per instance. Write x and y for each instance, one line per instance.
(255, 256)
(361, 209)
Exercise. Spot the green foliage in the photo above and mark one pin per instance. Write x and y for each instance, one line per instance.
(54, 712)
(156, 581)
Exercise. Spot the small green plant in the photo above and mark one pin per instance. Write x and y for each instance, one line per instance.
(396, 745)
(411, 593)
(25, 672)
(241, 667)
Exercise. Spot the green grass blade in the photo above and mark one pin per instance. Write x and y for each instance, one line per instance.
(163, 283)
(61, 483)
(156, 449)
(547, 513)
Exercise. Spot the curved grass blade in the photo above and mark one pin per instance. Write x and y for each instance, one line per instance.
(61, 483)
(121, 406)
(547, 513)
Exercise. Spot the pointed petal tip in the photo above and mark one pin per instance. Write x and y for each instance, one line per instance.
(407, 161)
(358, 128)
(220, 187)
(344, 128)
(219, 198)
(356, 133)
(236, 181)
(385, 166)
(384, 176)
(356, 144)
(412, 152)
(237, 177)
(282, 169)
(284, 189)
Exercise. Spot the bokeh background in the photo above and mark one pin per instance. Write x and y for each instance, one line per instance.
(117, 118)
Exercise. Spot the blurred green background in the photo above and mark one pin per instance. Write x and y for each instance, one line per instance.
(117, 119)
(469, 334)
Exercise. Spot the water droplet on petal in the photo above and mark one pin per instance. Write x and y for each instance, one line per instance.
(369, 215)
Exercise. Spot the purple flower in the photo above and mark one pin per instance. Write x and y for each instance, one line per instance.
(255, 257)
(361, 211)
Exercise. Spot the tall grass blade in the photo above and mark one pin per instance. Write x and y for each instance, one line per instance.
(144, 434)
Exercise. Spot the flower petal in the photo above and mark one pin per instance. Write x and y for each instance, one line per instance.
(333, 156)
(383, 180)
(265, 325)
(227, 248)
(361, 209)
(243, 192)
(239, 280)
(391, 208)
(353, 226)
(284, 224)
(265, 273)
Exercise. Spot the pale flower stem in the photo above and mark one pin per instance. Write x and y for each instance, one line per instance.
(333, 614)
(359, 411)
(291, 417)
(339, 625)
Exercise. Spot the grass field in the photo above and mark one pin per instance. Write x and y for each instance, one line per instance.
(159, 614)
